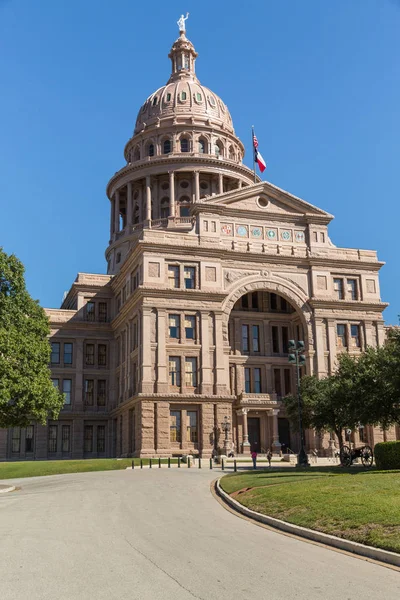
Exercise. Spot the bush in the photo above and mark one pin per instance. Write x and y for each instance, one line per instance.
(387, 455)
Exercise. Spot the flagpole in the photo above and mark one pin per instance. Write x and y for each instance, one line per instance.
(254, 154)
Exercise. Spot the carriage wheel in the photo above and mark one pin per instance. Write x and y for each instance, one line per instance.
(345, 456)
(367, 456)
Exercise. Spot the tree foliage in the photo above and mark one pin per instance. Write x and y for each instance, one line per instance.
(26, 390)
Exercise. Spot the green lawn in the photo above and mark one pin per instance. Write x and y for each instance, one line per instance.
(359, 505)
(9, 470)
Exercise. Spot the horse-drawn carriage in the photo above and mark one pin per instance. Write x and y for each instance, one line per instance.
(348, 455)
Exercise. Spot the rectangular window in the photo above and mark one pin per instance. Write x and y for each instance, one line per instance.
(273, 301)
(256, 338)
(89, 390)
(65, 438)
(52, 441)
(90, 311)
(55, 353)
(277, 382)
(352, 289)
(175, 370)
(338, 288)
(355, 335)
(190, 282)
(275, 339)
(247, 380)
(135, 335)
(101, 392)
(173, 276)
(103, 312)
(29, 439)
(68, 354)
(16, 440)
(67, 387)
(88, 441)
(174, 326)
(190, 327)
(245, 302)
(191, 428)
(56, 383)
(288, 384)
(191, 372)
(245, 338)
(102, 355)
(257, 381)
(254, 300)
(175, 426)
(101, 439)
(285, 340)
(284, 305)
(89, 354)
(341, 336)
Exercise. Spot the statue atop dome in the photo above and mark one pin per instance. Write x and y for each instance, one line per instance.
(181, 23)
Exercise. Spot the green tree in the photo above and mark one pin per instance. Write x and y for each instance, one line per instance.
(26, 390)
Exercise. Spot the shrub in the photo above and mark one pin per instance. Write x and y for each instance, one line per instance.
(387, 455)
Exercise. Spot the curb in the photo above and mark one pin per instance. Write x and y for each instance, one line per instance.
(385, 556)
(10, 488)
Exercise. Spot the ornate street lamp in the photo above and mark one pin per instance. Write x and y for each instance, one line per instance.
(296, 357)
(226, 427)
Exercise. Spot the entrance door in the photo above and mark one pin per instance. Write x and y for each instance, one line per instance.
(284, 433)
(253, 426)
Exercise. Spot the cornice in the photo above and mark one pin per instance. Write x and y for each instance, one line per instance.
(237, 212)
(355, 305)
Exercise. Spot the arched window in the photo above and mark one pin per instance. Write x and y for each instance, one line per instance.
(219, 149)
(183, 95)
(136, 153)
(150, 150)
(164, 208)
(184, 145)
(167, 146)
(231, 153)
(184, 206)
(155, 100)
(202, 146)
(136, 214)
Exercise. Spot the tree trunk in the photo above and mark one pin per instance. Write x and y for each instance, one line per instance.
(339, 434)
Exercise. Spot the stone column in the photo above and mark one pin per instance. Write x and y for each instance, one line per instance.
(197, 185)
(319, 341)
(206, 374)
(206, 430)
(146, 385)
(171, 194)
(245, 443)
(147, 429)
(220, 379)
(332, 345)
(116, 212)
(220, 183)
(276, 446)
(129, 206)
(162, 381)
(162, 420)
(112, 213)
(148, 201)
(380, 333)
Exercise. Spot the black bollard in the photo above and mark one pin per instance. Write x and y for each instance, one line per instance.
(179, 462)
(133, 464)
(169, 462)
(199, 462)
(150, 465)
(188, 463)
(159, 462)
(223, 465)
(211, 466)
(234, 465)
(141, 463)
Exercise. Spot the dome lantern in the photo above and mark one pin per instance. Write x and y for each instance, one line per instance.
(183, 57)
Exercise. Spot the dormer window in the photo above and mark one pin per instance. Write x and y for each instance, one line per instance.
(155, 100)
(198, 97)
(183, 95)
(168, 97)
(184, 145)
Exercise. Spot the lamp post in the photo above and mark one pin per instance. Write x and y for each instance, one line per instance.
(296, 357)
(226, 427)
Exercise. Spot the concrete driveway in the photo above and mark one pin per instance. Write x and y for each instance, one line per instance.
(159, 534)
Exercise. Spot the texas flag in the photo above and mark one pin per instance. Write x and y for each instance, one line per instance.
(262, 165)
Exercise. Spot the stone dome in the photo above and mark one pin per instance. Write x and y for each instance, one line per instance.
(183, 95)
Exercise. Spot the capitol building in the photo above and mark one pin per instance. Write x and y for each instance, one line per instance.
(210, 273)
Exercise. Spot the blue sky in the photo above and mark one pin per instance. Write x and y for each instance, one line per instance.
(319, 79)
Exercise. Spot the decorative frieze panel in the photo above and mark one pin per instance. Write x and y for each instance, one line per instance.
(259, 232)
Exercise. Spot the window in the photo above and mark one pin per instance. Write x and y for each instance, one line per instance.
(191, 428)
(175, 370)
(352, 289)
(55, 353)
(90, 311)
(275, 339)
(16, 439)
(101, 392)
(254, 300)
(338, 288)
(65, 438)
(173, 276)
(184, 142)
(155, 101)
(184, 209)
(202, 147)
(183, 95)
(68, 354)
(174, 326)
(245, 338)
(247, 380)
(168, 97)
(164, 208)
(150, 150)
(361, 433)
(89, 354)
(52, 441)
(245, 302)
(89, 390)
(102, 355)
(191, 372)
(190, 327)
(277, 382)
(167, 147)
(67, 387)
(341, 336)
(101, 438)
(284, 305)
(134, 280)
(189, 274)
(219, 149)
(55, 382)
(274, 301)
(285, 340)
(256, 338)
(198, 97)
(257, 381)
(175, 426)
(355, 335)
(287, 378)
(29, 439)
(88, 441)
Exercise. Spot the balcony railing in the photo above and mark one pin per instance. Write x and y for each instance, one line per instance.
(258, 399)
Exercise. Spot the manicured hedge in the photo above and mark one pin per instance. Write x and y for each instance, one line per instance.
(387, 455)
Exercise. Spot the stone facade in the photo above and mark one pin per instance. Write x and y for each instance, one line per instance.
(210, 274)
